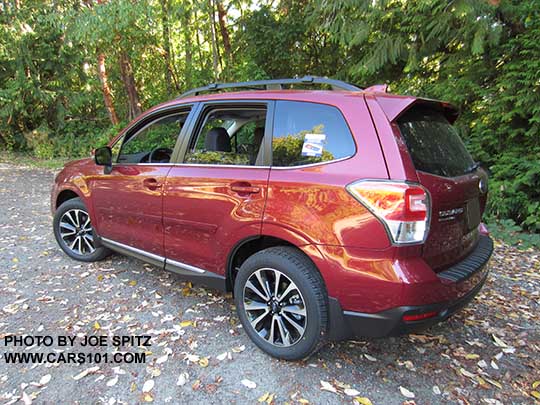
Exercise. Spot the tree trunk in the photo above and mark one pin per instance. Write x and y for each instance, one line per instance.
(215, 56)
(222, 14)
(167, 44)
(105, 89)
(128, 78)
(189, 50)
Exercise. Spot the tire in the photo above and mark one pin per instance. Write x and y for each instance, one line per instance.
(304, 294)
(74, 214)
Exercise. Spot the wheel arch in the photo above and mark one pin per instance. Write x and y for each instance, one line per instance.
(253, 244)
(65, 195)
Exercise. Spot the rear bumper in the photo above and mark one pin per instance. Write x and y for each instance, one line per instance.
(349, 324)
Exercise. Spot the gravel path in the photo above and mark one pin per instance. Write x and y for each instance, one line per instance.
(488, 353)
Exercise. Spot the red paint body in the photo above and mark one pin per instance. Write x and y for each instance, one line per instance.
(196, 217)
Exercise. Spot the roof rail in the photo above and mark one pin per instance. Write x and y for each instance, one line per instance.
(274, 84)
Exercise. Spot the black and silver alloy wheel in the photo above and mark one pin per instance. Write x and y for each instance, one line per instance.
(282, 302)
(76, 231)
(275, 307)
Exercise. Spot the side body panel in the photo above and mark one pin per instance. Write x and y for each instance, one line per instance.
(313, 200)
(204, 217)
(345, 241)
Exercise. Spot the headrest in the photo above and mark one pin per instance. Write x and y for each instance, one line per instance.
(258, 136)
(217, 140)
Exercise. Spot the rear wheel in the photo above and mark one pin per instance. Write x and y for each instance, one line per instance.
(282, 303)
(74, 232)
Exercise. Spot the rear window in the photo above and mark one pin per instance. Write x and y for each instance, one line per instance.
(307, 133)
(434, 144)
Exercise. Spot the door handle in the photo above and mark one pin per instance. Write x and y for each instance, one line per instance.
(151, 184)
(244, 188)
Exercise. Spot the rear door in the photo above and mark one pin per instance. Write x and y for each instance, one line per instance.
(215, 197)
(454, 181)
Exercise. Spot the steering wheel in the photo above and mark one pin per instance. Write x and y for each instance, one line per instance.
(157, 151)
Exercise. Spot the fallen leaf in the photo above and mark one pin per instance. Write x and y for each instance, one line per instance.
(498, 341)
(203, 362)
(147, 397)
(112, 381)
(133, 283)
(148, 385)
(406, 393)
(27, 400)
(222, 356)
(153, 371)
(192, 358)
(46, 378)
(535, 384)
(370, 358)
(84, 373)
(196, 385)
(249, 384)
(185, 324)
(495, 383)
(467, 373)
(351, 392)
(363, 401)
(182, 379)
(97, 326)
(326, 386)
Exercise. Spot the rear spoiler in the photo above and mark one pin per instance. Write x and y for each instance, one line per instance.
(395, 106)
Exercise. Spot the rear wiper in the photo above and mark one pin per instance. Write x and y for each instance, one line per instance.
(472, 167)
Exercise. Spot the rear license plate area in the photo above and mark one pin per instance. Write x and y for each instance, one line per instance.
(472, 214)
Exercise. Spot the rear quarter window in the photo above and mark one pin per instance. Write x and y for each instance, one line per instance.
(307, 133)
(434, 144)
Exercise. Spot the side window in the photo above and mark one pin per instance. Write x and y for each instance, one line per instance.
(229, 136)
(154, 143)
(306, 133)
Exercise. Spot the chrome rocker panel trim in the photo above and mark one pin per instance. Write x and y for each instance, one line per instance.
(184, 270)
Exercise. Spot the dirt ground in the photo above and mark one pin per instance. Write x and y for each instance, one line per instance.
(488, 353)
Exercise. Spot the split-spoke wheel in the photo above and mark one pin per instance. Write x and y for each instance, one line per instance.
(74, 232)
(281, 302)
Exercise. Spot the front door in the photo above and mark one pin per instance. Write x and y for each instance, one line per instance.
(216, 197)
(128, 201)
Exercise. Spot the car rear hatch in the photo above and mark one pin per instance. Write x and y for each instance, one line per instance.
(440, 163)
(445, 167)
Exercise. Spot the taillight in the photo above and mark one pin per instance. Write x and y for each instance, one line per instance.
(403, 208)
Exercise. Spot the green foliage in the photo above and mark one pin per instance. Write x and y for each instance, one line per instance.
(512, 234)
(481, 55)
(225, 158)
(287, 150)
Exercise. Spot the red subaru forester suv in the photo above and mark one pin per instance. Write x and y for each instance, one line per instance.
(329, 214)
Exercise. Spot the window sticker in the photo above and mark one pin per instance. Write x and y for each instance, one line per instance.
(313, 145)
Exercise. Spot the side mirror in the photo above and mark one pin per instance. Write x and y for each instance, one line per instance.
(103, 157)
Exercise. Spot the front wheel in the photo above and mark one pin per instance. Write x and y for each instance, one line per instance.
(74, 232)
(282, 303)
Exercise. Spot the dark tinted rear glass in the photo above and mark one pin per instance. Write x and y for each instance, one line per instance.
(434, 144)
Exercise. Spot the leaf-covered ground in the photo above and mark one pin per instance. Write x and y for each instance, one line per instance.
(489, 353)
